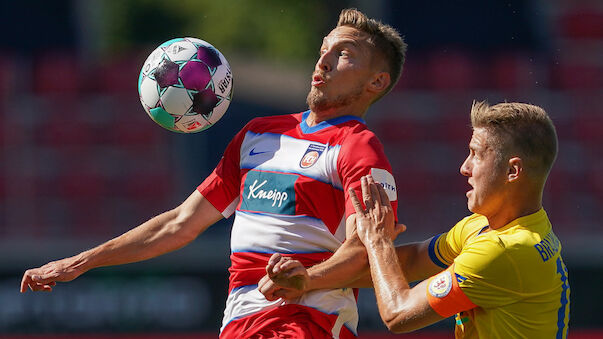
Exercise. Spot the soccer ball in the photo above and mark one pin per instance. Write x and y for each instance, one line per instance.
(185, 85)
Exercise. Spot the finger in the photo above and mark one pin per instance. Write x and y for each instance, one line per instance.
(46, 288)
(267, 287)
(375, 196)
(265, 284)
(272, 261)
(25, 282)
(39, 287)
(366, 193)
(355, 201)
(286, 294)
(277, 269)
(268, 292)
(289, 265)
(274, 258)
(44, 278)
(398, 229)
(270, 296)
(263, 281)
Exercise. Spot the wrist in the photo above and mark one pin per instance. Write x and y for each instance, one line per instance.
(377, 239)
(378, 243)
(82, 262)
(313, 281)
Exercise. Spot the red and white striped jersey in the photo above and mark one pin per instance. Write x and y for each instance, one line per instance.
(286, 183)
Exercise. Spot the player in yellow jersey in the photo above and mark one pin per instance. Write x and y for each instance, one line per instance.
(502, 275)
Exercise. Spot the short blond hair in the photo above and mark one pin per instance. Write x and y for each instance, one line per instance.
(383, 38)
(518, 128)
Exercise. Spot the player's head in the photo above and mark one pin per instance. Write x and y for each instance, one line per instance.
(360, 60)
(388, 47)
(512, 143)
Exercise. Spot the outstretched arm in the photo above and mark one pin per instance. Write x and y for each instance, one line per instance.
(164, 233)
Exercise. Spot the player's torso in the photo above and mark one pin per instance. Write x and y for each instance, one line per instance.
(292, 198)
(535, 277)
(291, 202)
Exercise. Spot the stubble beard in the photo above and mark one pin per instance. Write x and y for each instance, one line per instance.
(318, 101)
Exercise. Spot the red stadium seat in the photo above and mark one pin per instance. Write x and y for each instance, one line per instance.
(582, 23)
(413, 74)
(397, 130)
(575, 75)
(453, 70)
(589, 128)
(56, 72)
(82, 185)
(516, 71)
(120, 75)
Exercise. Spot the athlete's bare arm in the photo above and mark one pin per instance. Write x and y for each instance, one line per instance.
(402, 308)
(164, 233)
(348, 267)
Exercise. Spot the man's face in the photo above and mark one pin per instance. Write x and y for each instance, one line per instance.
(486, 175)
(343, 69)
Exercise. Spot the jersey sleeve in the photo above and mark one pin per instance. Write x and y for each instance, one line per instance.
(362, 154)
(445, 247)
(222, 187)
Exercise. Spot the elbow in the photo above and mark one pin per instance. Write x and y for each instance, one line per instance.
(398, 322)
(391, 320)
(394, 324)
(396, 327)
(182, 233)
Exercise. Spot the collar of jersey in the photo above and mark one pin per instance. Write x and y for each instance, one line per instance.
(327, 123)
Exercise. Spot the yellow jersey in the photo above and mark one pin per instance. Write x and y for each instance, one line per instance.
(514, 278)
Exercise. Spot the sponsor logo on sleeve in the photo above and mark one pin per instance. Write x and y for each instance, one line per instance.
(311, 156)
(385, 179)
(441, 284)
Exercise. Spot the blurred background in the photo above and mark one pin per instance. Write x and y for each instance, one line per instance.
(80, 161)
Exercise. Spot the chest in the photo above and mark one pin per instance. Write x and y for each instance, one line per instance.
(284, 154)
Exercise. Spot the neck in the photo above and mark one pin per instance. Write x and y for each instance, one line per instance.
(501, 220)
(316, 117)
(515, 208)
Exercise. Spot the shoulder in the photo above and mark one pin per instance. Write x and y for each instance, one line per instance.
(357, 132)
(469, 226)
(358, 140)
(479, 249)
(259, 124)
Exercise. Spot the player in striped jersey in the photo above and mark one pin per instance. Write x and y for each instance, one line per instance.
(503, 273)
(284, 178)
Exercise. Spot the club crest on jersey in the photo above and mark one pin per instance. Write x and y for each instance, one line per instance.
(311, 156)
(441, 284)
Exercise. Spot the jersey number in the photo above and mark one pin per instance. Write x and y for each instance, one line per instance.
(561, 314)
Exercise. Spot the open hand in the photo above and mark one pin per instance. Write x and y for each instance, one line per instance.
(45, 277)
(377, 219)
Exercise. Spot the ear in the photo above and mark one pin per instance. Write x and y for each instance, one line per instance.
(515, 169)
(380, 82)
